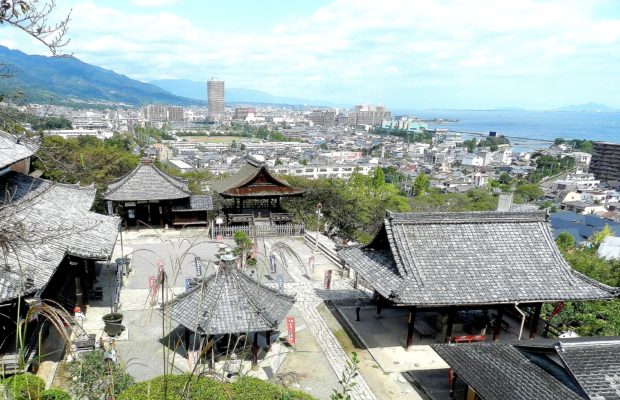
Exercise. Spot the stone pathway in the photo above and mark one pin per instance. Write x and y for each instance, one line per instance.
(306, 291)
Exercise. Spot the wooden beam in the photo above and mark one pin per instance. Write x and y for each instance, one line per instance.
(410, 325)
(255, 350)
(535, 320)
(449, 325)
(498, 323)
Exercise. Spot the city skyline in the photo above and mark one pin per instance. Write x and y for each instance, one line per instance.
(444, 54)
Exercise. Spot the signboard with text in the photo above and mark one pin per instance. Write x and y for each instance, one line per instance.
(272, 264)
(290, 329)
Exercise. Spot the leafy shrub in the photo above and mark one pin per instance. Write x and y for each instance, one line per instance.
(55, 394)
(192, 387)
(94, 377)
(24, 387)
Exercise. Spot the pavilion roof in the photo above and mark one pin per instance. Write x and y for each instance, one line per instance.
(147, 182)
(570, 368)
(14, 149)
(254, 180)
(440, 259)
(229, 301)
(41, 222)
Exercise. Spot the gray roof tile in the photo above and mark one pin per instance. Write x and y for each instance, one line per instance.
(14, 149)
(147, 182)
(45, 222)
(229, 301)
(469, 258)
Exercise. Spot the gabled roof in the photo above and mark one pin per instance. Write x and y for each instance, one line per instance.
(583, 368)
(595, 365)
(499, 371)
(41, 223)
(14, 149)
(229, 301)
(254, 180)
(200, 202)
(436, 259)
(147, 182)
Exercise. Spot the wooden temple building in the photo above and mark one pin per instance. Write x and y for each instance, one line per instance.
(254, 194)
(550, 369)
(226, 303)
(50, 244)
(148, 196)
(441, 266)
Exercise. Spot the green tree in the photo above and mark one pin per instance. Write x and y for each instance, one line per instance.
(243, 246)
(565, 241)
(598, 237)
(421, 184)
(530, 192)
(470, 145)
(378, 179)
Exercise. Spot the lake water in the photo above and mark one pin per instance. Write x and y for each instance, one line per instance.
(537, 126)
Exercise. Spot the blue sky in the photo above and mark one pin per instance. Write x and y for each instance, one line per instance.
(474, 54)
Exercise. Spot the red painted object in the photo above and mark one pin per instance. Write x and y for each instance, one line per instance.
(290, 328)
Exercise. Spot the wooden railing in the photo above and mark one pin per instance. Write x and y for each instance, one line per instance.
(259, 230)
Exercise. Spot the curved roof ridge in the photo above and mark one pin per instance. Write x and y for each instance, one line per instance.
(114, 185)
(467, 217)
(149, 183)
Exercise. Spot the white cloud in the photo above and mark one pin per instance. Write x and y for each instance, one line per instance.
(363, 49)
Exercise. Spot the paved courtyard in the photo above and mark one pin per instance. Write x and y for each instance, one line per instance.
(318, 359)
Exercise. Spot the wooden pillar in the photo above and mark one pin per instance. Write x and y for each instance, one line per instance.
(186, 342)
(241, 205)
(449, 325)
(148, 209)
(255, 350)
(379, 309)
(268, 340)
(410, 325)
(498, 323)
(451, 383)
(535, 320)
(161, 216)
(355, 282)
(79, 295)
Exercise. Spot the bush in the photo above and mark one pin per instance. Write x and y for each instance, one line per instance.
(94, 377)
(205, 388)
(55, 394)
(24, 387)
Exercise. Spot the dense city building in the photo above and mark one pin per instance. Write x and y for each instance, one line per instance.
(372, 115)
(323, 117)
(605, 163)
(215, 97)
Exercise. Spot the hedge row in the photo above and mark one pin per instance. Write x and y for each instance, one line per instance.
(31, 387)
(191, 387)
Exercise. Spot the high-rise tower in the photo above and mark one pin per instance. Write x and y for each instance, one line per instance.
(215, 96)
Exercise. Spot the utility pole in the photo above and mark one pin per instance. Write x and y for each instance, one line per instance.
(318, 225)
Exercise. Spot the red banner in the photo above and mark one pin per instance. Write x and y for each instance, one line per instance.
(254, 250)
(290, 328)
(469, 339)
(327, 281)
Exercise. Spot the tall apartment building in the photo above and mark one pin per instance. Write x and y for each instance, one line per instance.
(215, 98)
(605, 163)
(322, 117)
(155, 113)
(161, 113)
(368, 115)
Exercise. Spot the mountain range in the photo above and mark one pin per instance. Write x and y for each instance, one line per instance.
(198, 90)
(65, 80)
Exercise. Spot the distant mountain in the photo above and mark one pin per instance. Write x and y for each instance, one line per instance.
(198, 90)
(69, 80)
(588, 107)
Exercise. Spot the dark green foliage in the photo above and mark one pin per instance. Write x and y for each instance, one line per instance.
(590, 318)
(24, 387)
(354, 207)
(472, 200)
(94, 377)
(86, 160)
(470, 145)
(55, 394)
(549, 166)
(197, 179)
(565, 241)
(493, 142)
(529, 192)
(191, 387)
(421, 184)
(145, 135)
(347, 381)
(578, 145)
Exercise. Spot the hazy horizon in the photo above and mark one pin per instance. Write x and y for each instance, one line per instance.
(449, 54)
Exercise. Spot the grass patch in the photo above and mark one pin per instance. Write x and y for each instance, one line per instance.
(347, 343)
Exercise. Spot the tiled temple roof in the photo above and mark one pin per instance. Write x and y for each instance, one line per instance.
(229, 301)
(14, 149)
(147, 182)
(254, 180)
(436, 259)
(41, 222)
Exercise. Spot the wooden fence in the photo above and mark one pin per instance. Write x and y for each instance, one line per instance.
(259, 230)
